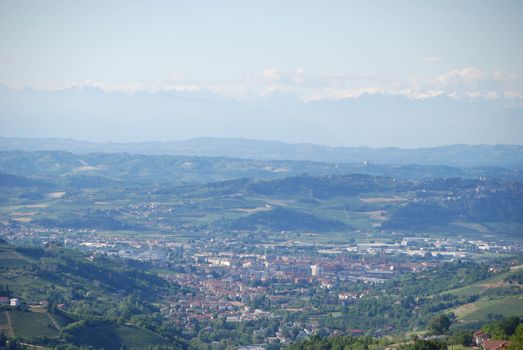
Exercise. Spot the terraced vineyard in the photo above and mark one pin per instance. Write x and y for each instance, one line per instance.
(30, 325)
(115, 336)
(5, 324)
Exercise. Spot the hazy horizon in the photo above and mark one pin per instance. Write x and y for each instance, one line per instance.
(375, 74)
(261, 175)
(211, 138)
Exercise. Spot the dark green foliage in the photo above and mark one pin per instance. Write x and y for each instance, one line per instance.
(411, 300)
(516, 340)
(431, 344)
(439, 324)
(113, 274)
(504, 328)
(91, 219)
(516, 278)
(462, 337)
(333, 343)
(446, 277)
(111, 336)
(102, 295)
(327, 186)
(420, 214)
(7, 180)
(504, 204)
(10, 344)
(508, 328)
(282, 219)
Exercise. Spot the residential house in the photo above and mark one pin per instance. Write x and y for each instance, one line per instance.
(479, 336)
(482, 339)
(490, 344)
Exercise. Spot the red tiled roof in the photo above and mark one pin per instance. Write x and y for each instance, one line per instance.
(490, 344)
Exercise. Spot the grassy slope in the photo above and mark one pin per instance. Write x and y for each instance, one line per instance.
(10, 258)
(479, 311)
(481, 287)
(509, 305)
(114, 336)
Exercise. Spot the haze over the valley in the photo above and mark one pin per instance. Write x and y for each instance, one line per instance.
(261, 175)
(377, 120)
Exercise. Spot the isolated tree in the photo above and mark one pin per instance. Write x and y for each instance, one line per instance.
(439, 324)
(432, 344)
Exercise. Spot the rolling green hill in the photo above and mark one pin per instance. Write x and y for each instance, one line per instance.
(283, 219)
(7, 180)
(496, 296)
(105, 168)
(334, 203)
(89, 300)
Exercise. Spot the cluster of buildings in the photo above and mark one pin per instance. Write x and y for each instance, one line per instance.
(6, 301)
(223, 277)
(483, 341)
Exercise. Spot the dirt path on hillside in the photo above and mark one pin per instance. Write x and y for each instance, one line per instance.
(9, 325)
(31, 346)
(23, 257)
(53, 321)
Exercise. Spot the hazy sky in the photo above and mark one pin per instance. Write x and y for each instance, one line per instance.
(314, 48)
(246, 50)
